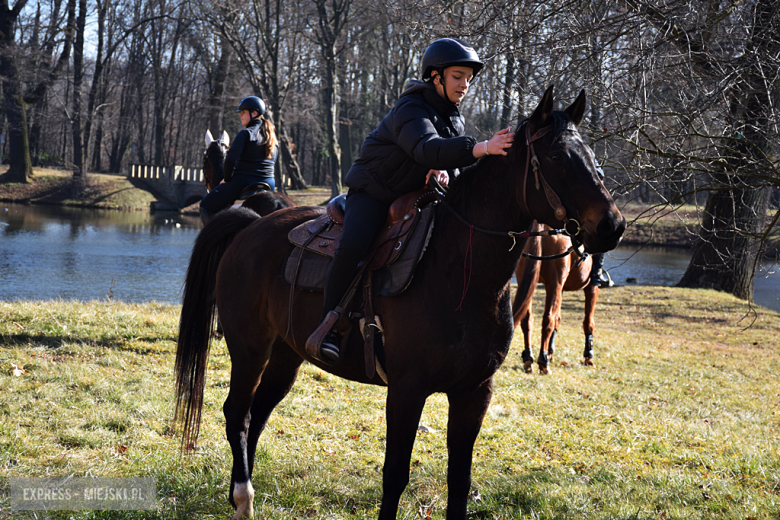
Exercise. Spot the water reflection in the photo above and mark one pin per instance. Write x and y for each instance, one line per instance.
(666, 266)
(49, 252)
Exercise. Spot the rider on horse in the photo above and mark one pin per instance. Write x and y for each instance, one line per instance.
(250, 159)
(421, 137)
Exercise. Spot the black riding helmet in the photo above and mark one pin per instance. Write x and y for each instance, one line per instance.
(253, 104)
(446, 52)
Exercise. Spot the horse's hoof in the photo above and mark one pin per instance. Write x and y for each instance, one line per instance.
(528, 367)
(545, 371)
(244, 495)
(588, 362)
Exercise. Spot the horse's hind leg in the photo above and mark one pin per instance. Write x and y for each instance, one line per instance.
(246, 411)
(467, 410)
(589, 322)
(278, 378)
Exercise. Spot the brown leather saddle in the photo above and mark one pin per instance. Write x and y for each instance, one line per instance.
(394, 253)
(387, 270)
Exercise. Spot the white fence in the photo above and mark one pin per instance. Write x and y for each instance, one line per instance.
(166, 173)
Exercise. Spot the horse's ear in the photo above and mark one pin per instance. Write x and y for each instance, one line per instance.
(540, 117)
(225, 138)
(577, 109)
(209, 138)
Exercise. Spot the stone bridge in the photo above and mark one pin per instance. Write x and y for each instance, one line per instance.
(175, 187)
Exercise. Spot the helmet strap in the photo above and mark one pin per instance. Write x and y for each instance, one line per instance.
(441, 82)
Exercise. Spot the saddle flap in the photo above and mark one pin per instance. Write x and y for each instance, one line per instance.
(327, 235)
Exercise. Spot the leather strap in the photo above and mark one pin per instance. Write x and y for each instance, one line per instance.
(368, 327)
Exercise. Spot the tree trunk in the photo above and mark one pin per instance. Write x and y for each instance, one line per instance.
(79, 171)
(217, 98)
(331, 127)
(725, 256)
(509, 80)
(20, 169)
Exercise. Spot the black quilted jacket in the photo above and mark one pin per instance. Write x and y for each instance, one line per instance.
(423, 131)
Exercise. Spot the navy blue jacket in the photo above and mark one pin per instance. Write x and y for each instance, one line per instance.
(423, 131)
(246, 155)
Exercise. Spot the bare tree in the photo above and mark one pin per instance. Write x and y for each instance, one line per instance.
(16, 98)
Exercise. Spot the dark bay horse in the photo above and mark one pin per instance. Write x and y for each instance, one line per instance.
(262, 202)
(558, 275)
(448, 332)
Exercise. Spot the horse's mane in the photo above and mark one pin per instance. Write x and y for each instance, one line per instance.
(463, 184)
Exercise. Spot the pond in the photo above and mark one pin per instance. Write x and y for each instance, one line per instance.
(49, 252)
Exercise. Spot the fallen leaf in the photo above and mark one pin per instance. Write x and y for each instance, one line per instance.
(121, 449)
(18, 370)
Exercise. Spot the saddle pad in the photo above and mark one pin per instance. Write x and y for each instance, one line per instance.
(389, 280)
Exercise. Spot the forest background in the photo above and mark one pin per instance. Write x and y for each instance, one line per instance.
(683, 94)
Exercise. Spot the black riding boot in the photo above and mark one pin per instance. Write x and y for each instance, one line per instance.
(206, 216)
(598, 275)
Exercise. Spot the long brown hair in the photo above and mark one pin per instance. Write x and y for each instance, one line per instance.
(268, 130)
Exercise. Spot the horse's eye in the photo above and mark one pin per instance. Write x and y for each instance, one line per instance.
(556, 156)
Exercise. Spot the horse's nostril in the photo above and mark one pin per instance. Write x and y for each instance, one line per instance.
(611, 226)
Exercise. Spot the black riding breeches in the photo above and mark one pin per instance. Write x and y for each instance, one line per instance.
(224, 195)
(363, 217)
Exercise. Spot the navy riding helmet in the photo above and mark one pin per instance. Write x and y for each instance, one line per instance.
(253, 104)
(446, 52)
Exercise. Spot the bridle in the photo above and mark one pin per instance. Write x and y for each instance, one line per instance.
(552, 199)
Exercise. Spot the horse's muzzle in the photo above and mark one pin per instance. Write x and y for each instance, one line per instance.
(609, 232)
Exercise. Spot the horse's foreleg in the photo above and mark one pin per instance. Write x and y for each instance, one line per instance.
(465, 420)
(526, 322)
(589, 323)
(550, 322)
(404, 408)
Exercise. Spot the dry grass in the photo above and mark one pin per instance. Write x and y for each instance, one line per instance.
(678, 419)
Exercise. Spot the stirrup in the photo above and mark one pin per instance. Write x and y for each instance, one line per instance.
(314, 343)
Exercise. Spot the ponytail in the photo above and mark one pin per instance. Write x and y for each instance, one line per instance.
(269, 136)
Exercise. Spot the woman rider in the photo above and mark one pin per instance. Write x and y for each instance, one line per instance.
(250, 159)
(421, 137)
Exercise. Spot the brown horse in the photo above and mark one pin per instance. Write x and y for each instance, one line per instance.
(568, 273)
(448, 332)
(261, 201)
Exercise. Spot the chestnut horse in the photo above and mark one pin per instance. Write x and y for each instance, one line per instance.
(448, 332)
(569, 273)
(261, 202)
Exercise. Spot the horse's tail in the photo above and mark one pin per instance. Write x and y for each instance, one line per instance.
(197, 316)
(527, 275)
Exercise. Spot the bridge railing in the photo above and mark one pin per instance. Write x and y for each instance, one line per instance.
(166, 173)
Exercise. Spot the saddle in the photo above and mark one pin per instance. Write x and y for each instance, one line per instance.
(394, 252)
(254, 189)
(387, 270)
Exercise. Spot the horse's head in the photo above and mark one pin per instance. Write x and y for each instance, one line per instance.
(214, 159)
(561, 184)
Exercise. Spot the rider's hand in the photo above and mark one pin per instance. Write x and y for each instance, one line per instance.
(440, 175)
(497, 145)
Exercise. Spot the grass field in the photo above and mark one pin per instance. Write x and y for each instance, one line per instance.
(678, 420)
